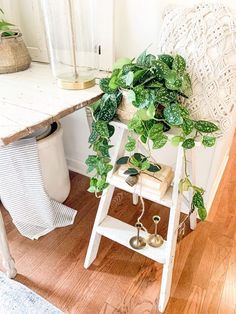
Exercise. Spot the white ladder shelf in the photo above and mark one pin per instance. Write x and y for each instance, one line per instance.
(121, 232)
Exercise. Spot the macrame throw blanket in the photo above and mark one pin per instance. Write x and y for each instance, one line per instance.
(23, 195)
(205, 35)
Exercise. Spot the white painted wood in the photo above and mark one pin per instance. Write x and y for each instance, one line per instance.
(171, 235)
(165, 201)
(7, 260)
(217, 179)
(135, 199)
(101, 215)
(36, 100)
(103, 208)
(193, 220)
(121, 232)
(192, 171)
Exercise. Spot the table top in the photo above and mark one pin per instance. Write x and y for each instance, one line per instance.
(31, 99)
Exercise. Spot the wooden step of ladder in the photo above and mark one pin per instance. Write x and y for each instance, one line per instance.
(121, 232)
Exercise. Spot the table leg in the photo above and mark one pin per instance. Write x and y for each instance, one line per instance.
(7, 260)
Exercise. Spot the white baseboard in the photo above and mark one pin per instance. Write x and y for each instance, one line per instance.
(217, 181)
(77, 166)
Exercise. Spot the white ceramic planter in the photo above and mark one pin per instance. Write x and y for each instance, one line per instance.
(53, 165)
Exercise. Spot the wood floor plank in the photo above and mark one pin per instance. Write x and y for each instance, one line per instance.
(107, 309)
(182, 292)
(195, 300)
(219, 271)
(228, 297)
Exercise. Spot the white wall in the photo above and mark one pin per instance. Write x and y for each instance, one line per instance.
(137, 25)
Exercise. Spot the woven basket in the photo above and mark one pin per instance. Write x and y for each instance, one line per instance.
(126, 110)
(14, 55)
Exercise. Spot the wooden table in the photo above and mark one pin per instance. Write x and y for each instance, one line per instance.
(31, 99)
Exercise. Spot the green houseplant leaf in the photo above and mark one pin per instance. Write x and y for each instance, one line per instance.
(123, 160)
(208, 141)
(184, 185)
(205, 126)
(155, 131)
(202, 212)
(176, 140)
(91, 162)
(199, 203)
(167, 59)
(172, 114)
(165, 96)
(104, 85)
(154, 168)
(102, 128)
(131, 172)
(4, 25)
(130, 146)
(179, 64)
(144, 97)
(187, 126)
(188, 143)
(147, 114)
(160, 141)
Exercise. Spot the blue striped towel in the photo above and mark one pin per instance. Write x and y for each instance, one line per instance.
(23, 195)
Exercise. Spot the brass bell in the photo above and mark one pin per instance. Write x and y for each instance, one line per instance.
(131, 180)
(155, 240)
(137, 242)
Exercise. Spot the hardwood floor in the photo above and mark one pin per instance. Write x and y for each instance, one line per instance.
(121, 281)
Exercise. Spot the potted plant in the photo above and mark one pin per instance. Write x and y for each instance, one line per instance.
(14, 55)
(152, 91)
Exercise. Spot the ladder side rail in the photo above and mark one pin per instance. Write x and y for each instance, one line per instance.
(104, 204)
(119, 146)
(171, 234)
(192, 173)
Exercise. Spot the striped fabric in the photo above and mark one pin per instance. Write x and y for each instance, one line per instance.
(22, 192)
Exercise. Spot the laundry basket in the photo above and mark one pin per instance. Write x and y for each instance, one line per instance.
(54, 168)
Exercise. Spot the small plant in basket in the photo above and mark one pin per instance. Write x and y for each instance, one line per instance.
(5, 26)
(155, 88)
(14, 55)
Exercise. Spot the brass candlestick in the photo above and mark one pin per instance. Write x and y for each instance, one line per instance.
(155, 240)
(137, 242)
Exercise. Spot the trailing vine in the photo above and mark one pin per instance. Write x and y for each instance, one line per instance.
(157, 87)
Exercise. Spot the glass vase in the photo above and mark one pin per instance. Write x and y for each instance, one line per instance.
(69, 26)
